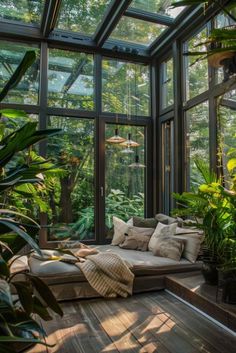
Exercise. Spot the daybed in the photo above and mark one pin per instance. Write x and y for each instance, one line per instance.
(68, 282)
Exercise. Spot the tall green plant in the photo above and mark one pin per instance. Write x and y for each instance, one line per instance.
(213, 209)
(17, 315)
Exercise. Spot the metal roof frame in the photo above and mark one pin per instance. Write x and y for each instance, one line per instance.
(100, 42)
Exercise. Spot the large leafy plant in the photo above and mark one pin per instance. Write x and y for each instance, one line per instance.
(213, 209)
(18, 324)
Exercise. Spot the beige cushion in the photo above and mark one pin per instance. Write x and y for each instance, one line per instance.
(137, 238)
(130, 222)
(160, 217)
(145, 222)
(193, 240)
(120, 229)
(161, 230)
(170, 247)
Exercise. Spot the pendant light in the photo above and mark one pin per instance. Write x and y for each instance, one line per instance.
(137, 163)
(129, 142)
(116, 139)
(127, 150)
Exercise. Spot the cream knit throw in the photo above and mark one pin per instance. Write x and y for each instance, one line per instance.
(108, 274)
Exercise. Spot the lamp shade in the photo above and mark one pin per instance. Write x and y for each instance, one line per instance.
(116, 138)
(129, 142)
(137, 163)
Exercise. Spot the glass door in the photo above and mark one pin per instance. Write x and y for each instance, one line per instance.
(125, 174)
(70, 211)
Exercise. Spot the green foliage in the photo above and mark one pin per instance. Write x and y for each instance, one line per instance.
(117, 204)
(17, 169)
(26, 62)
(213, 208)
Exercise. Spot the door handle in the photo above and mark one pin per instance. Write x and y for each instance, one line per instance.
(101, 191)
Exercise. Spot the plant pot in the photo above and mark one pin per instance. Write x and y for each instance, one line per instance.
(227, 282)
(210, 273)
(216, 60)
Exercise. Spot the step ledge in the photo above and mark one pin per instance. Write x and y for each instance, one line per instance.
(202, 313)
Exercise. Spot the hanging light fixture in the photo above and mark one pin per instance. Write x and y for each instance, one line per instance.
(116, 139)
(129, 143)
(127, 150)
(137, 163)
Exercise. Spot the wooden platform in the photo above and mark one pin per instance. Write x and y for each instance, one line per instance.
(152, 322)
(193, 289)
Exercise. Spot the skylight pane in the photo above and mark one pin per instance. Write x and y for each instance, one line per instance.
(27, 11)
(82, 16)
(162, 7)
(137, 31)
(70, 80)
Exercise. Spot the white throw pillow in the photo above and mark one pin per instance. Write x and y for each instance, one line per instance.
(120, 228)
(161, 230)
(130, 222)
(192, 242)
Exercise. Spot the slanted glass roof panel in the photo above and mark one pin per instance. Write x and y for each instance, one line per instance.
(82, 16)
(161, 7)
(70, 80)
(137, 31)
(26, 11)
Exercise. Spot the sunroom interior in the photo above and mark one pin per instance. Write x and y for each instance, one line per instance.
(140, 99)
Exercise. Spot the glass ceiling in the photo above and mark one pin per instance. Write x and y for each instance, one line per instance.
(141, 23)
(82, 16)
(26, 11)
(137, 31)
(161, 7)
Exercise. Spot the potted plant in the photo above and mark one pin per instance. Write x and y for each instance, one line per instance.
(213, 209)
(221, 43)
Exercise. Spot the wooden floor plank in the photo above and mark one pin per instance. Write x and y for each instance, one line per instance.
(185, 331)
(203, 328)
(137, 319)
(122, 338)
(145, 323)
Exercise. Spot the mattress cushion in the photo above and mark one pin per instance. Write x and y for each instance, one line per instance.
(145, 263)
(142, 264)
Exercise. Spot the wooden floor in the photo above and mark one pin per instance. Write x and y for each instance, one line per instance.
(153, 322)
(193, 289)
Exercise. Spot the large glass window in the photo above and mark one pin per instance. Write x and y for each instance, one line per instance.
(167, 89)
(196, 70)
(82, 16)
(125, 175)
(197, 141)
(137, 31)
(125, 88)
(71, 199)
(11, 55)
(27, 11)
(70, 80)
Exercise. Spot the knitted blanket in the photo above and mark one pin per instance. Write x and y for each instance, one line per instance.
(108, 274)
